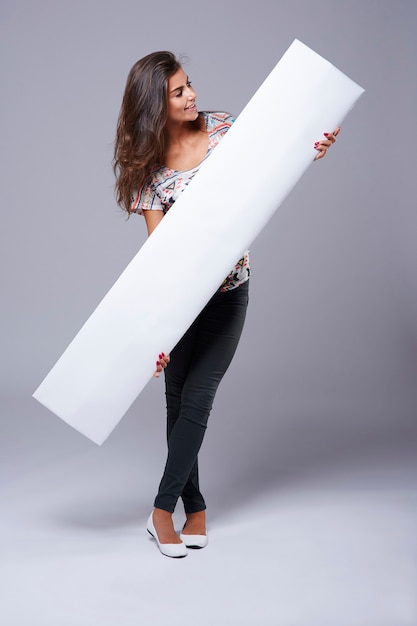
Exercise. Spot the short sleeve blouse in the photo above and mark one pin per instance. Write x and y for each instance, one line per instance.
(165, 185)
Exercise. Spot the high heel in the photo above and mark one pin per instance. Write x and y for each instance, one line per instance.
(174, 550)
(194, 541)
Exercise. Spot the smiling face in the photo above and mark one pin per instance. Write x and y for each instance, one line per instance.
(181, 99)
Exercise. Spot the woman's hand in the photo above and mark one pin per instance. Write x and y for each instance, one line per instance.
(324, 145)
(161, 364)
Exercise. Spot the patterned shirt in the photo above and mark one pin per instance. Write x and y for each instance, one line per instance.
(165, 185)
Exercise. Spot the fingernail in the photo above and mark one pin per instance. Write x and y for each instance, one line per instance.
(160, 356)
(158, 363)
(326, 134)
(163, 354)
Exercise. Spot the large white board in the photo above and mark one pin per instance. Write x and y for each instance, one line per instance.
(186, 258)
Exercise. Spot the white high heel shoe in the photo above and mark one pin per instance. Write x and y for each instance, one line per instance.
(174, 550)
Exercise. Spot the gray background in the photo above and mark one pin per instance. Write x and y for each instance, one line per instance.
(309, 461)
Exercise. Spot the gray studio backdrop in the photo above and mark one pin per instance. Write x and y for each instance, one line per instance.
(327, 363)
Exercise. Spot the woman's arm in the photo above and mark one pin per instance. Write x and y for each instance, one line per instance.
(152, 219)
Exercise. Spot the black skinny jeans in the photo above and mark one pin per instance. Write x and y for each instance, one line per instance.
(198, 363)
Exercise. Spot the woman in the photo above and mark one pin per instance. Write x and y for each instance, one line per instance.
(162, 139)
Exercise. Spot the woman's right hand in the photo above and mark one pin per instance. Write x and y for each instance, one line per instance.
(161, 364)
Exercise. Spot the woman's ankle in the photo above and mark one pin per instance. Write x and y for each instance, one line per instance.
(195, 523)
(164, 526)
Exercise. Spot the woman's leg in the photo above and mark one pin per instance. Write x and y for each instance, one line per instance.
(175, 377)
(203, 358)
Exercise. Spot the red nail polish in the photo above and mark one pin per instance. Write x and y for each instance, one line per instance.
(158, 363)
(163, 354)
(326, 134)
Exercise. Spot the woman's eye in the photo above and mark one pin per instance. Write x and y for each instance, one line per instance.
(179, 94)
(189, 83)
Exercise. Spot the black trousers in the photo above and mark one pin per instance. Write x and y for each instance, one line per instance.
(198, 363)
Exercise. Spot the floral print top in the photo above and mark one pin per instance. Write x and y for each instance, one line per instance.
(165, 185)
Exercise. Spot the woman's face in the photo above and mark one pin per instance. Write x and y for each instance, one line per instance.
(181, 99)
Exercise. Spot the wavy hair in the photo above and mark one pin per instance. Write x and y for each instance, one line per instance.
(140, 137)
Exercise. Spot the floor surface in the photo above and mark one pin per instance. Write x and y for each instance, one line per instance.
(335, 546)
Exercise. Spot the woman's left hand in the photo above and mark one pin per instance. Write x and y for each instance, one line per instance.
(324, 145)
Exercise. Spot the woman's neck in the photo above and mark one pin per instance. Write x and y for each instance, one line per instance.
(186, 146)
(179, 133)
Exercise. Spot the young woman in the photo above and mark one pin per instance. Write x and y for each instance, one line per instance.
(162, 140)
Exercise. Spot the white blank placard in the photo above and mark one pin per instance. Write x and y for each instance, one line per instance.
(217, 217)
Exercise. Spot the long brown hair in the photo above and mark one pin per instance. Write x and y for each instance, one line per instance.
(140, 137)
